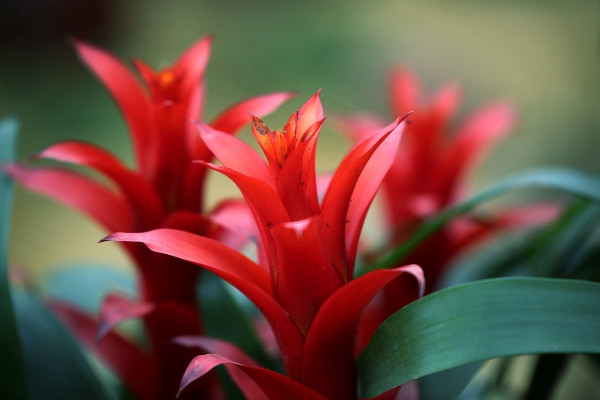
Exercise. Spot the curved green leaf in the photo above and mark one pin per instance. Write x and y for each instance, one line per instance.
(502, 258)
(569, 181)
(478, 321)
(12, 367)
(56, 367)
(562, 239)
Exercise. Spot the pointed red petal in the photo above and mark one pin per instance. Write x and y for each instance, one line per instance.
(137, 370)
(337, 199)
(127, 92)
(366, 187)
(208, 253)
(191, 66)
(328, 364)
(225, 349)
(147, 73)
(116, 308)
(238, 115)
(297, 182)
(142, 196)
(405, 90)
(101, 204)
(217, 346)
(429, 126)
(196, 149)
(473, 138)
(305, 277)
(446, 101)
(233, 267)
(272, 143)
(235, 154)
(309, 113)
(274, 385)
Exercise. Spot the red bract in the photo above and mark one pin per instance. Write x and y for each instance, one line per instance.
(429, 171)
(165, 190)
(303, 282)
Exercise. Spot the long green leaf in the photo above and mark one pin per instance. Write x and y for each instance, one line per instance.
(569, 181)
(478, 321)
(56, 367)
(563, 238)
(12, 367)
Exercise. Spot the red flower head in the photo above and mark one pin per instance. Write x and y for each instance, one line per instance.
(165, 190)
(428, 173)
(303, 282)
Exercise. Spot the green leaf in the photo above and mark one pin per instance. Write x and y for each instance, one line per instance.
(563, 238)
(56, 367)
(504, 257)
(85, 284)
(569, 181)
(12, 367)
(479, 321)
(547, 374)
(217, 301)
(224, 317)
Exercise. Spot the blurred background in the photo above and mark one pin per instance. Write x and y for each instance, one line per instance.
(543, 56)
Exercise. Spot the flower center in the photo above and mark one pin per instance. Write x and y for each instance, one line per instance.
(165, 79)
(166, 86)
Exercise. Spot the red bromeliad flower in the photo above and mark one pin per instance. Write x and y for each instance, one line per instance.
(303, 282)
(428, 173)
(166, 190)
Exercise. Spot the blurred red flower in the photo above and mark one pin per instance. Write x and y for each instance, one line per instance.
(165, 190)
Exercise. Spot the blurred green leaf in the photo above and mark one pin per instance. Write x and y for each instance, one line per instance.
(504, 257)
(569, 181)
(216, 302)
(561, 239)
(12, 367)
(56, 367)
(224, 318)
(86, 284)
(547, 374)
(478, 321)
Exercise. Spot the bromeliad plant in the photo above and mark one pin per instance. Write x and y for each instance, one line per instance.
(328, 322)
(165, 190)
(304, 281)
(429, 171)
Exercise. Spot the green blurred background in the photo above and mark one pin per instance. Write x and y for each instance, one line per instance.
(543, 56)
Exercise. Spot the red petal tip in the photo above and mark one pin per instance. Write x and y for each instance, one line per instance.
(108, 238)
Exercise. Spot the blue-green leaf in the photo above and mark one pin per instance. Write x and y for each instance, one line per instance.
(479, 321)
(56, 366)
(12, 367)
